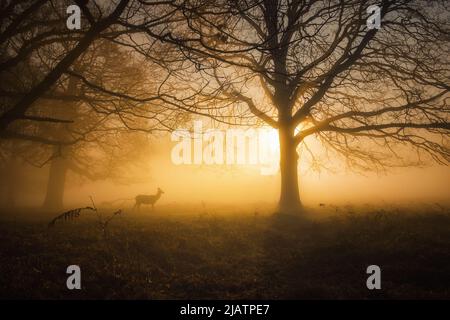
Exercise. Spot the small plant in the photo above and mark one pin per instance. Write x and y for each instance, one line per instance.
(69, 215)
(104, 222)
(75, 213)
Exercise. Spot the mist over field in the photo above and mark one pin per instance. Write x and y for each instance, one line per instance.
(233, 186)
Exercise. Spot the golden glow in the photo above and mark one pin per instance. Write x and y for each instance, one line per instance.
(236, 185)
(271, 139)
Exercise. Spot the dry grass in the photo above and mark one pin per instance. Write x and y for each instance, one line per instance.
(174, 256)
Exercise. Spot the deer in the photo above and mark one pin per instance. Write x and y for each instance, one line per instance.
(147, 199)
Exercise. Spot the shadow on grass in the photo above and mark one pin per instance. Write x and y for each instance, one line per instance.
(328, 259)
(151, 256)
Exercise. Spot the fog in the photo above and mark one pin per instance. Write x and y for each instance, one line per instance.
(232, 186)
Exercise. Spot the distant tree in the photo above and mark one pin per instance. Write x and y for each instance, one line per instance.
(105, 142)
(314, 68)
(9, 171)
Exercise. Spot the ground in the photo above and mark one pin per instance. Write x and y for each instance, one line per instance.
(166, 254)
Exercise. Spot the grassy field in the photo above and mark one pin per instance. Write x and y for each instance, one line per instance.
(170, 255)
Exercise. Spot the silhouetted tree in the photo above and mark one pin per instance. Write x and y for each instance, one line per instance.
(314, 68)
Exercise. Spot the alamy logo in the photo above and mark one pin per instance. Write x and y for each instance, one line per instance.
(73, 21)
(374, 280)
(374, 20)
(74, 280)
(258, 147)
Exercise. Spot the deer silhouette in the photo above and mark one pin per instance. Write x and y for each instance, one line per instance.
(147, 199)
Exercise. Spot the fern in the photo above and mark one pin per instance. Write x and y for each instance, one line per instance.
(69, 215)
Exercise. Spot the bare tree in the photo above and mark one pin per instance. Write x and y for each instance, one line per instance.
(314, 68)
(97, 119)
(27, 29)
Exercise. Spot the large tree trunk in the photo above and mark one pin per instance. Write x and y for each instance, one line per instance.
(55, 185)
(289, 196)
